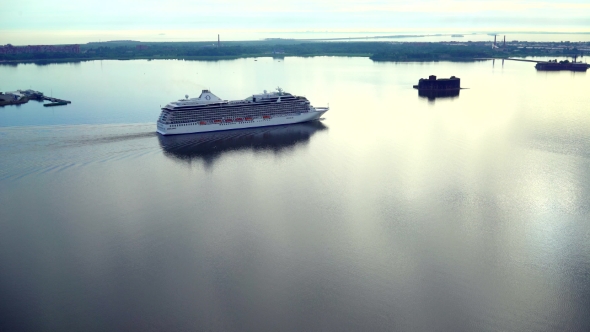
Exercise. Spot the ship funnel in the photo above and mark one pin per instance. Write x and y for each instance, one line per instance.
(208, 96)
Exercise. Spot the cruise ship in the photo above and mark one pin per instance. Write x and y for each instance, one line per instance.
(210, 113)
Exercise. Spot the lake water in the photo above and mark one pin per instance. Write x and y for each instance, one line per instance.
(394, 212)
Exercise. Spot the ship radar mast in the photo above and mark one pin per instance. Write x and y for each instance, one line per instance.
(280, 90)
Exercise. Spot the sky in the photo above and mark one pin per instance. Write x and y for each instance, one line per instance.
(22, 20)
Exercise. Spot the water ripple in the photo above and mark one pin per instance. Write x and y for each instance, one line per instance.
(43, 150)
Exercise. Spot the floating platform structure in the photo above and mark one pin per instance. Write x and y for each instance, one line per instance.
(441, 84)
(432, 87)
(55, 101)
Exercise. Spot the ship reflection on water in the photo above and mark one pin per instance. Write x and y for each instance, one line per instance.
(437, 94)
(208, 147)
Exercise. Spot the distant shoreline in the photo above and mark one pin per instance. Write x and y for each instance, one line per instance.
(185, 58)
(459, 51)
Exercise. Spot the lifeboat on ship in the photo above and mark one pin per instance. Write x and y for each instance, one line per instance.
(266, 117)
(202, 123)
(239, 119)
(248, 119)
(217, 121)
(228, 120)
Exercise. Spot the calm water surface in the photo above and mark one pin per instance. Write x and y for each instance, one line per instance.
(395, 212)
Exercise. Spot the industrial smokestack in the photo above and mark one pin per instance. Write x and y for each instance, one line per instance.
(504, 46)
(218, 41)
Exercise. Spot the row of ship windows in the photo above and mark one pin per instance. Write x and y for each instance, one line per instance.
(203, 116)
(240, 109)
(241, 112)
(218, 115)
(276, 111)
(196, 121)
(184, 114)
(222, 124)
(259, 107)
(195, 116)
(258, 103)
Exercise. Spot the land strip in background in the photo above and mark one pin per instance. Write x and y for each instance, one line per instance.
(276, 47)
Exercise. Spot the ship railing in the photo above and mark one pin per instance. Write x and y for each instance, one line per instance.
(320, 109)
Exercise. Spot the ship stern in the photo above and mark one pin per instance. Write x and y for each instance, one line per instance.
(160, 128)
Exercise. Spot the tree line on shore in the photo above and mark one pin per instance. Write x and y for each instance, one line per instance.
(377, 51)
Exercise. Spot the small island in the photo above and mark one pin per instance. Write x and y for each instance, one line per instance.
(377, 50)
(23, 96)
(19, 97)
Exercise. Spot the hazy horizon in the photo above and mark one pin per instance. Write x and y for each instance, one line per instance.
(60, 21)
(21, 38)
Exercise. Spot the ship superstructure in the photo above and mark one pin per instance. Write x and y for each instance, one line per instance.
(211, 113)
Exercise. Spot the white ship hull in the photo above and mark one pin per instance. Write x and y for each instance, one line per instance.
(190, 128)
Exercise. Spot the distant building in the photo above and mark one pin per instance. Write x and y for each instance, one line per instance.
(141, 47)
(6, 97)
(9, 49)
(16, 94)
(11, 98)
(31, 94)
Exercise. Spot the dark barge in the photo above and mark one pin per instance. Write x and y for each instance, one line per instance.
(553, 65)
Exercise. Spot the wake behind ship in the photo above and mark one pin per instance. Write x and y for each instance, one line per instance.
(210, 113)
